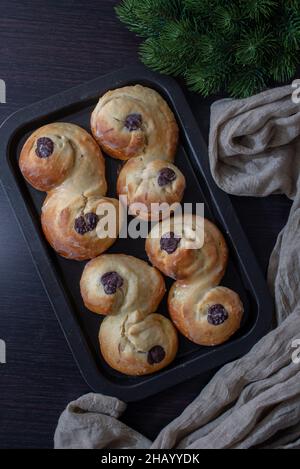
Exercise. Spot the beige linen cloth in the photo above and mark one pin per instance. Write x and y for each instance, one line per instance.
(254, 150)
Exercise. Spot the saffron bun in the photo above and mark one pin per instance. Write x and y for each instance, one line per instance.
(203, 311)
(152, 188)
(65, 161)
(135, 123)
(134, 339)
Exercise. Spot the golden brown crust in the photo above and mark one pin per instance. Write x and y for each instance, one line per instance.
(196, 293)
(58, 227)
(126, 341)
(139, 182)
(73, 176)
(149, 146)
(157, 135)
(131, 329)
(143, 287)
(187, 259)
(189, 313)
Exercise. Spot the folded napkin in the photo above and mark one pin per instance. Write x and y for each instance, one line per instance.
(255, 401)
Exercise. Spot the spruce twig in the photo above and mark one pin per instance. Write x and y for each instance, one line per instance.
(238, 46)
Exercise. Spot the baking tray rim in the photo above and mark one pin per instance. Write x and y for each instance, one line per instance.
(52, 284)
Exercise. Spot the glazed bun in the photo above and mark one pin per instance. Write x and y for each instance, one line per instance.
(195, 254)
(135, 123)
(152, 189)
(133, 338)
(65, 161)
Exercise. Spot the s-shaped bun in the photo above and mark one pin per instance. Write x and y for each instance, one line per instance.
(132, 121)
(133, 339)
(65, 161)
(204, 312)
(135, 123)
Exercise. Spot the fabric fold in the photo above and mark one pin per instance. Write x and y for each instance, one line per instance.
(254, 402)
(91, 422)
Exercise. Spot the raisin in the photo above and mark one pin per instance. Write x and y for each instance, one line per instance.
(166, 176)
(133, 122)
(91, 220)
(169, 242)
(216, 315)
(111, 281)
(85, 223)
(156, 355)
(44, 147)
(80, 225)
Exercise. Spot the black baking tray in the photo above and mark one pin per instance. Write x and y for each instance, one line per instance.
(61, 277)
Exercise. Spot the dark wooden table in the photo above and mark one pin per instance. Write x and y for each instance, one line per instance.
(47, 47)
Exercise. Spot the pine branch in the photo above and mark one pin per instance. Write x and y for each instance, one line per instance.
(246, 82)
(284, 66)
(205, 79)
(178, 39)
(255, 46)
(258, 8)
(226, 18)
(289, 29)
(203, 8)
(147, 17)
(235, 45)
